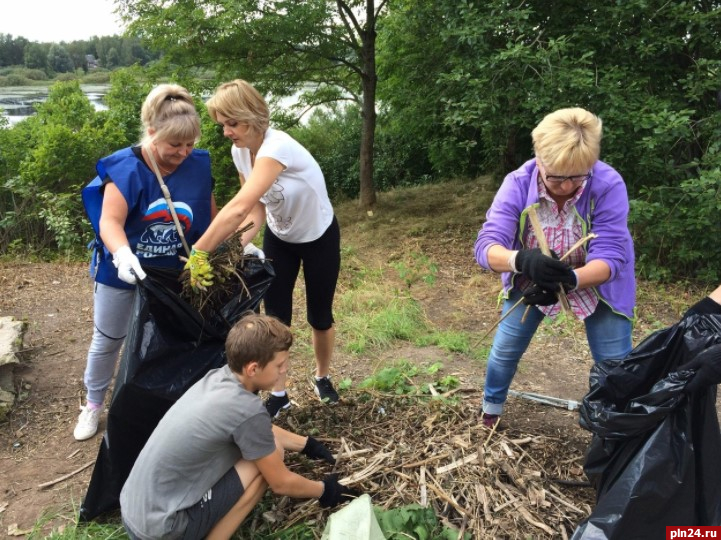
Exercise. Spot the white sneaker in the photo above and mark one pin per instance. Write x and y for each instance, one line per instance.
(87, 425)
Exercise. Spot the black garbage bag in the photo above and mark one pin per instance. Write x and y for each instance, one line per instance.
(654, 455)
(168, 348)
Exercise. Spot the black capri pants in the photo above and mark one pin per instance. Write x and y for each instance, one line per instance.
(321, 266)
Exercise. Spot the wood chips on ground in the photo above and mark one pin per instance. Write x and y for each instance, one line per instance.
(403, 450)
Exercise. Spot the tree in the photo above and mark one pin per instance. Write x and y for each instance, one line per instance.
(323, 48)
(77, 51)
(112, 59)
(59, 59)
(649, 68)
(11, 50)
(412, 99)
(36, 55)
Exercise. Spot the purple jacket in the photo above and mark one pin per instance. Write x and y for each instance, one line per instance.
(603, 209)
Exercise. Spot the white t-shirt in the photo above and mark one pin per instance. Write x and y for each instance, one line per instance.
(296, 205)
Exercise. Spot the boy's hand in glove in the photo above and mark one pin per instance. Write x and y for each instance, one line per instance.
(707, 365)
(335, 493)
(545, 271)
(314, 449)
(201, 271)
(128, 265)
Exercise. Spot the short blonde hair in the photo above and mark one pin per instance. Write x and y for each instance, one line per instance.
(256, 338)
(240, 101)
(568, 141)
(169, 111)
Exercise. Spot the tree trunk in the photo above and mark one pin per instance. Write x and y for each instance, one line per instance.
(367, 194)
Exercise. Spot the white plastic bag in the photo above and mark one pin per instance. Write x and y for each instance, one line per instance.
(355, 521)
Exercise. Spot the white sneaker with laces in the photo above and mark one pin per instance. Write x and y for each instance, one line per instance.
(87, 425)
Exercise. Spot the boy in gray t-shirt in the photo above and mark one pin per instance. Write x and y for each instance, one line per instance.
(215, 452)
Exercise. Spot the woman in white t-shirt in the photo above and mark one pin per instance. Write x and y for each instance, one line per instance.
(280, 184)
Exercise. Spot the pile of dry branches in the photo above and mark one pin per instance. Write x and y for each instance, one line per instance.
(404, 450)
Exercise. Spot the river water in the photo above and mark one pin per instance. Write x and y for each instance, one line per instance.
(17, 102)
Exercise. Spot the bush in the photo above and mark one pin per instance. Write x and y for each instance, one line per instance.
(676, 230)
(14, 80)
(66, 77)
(333, 137)
(35, 74)
(97, 76)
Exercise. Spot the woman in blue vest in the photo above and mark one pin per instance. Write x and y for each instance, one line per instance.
(137, 229)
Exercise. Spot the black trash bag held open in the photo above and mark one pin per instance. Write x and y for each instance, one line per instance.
(655, 457)
(168, 348)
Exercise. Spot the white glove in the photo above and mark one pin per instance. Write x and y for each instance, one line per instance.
(253, 251)
(128, 265)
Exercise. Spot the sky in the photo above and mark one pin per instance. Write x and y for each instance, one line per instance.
(59, 20)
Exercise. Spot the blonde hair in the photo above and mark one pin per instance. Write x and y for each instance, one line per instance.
(256, 338)
(568, 141)
(240, 101)
(170, 112)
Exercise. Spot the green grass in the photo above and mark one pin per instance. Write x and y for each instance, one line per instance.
(372, 321)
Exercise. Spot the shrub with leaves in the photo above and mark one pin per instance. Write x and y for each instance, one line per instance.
(414, 521)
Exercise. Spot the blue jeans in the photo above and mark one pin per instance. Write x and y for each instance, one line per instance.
(608, 334)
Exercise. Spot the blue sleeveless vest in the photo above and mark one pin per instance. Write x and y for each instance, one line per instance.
(149, 226)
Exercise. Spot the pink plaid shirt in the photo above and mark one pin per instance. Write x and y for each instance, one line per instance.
(562, 228)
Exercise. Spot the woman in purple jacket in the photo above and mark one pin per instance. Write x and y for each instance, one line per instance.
(574, 194)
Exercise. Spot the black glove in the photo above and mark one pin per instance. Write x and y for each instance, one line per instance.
(335, 493)
(705, 306)
(544, 270)
(316, 450)
(707, 365)
(535, 296)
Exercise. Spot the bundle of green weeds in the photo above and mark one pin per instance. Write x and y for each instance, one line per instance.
(228, 262)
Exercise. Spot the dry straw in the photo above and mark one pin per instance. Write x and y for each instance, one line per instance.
(409, 450)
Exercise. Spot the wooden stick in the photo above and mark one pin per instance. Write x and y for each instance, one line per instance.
(426, 461)
(457, 463)
(339, 455)
(65, 477)
(506, 314)
(424, 488)
(543, 244)
(573, 248)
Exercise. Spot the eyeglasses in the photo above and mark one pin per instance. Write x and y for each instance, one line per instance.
(576, 179)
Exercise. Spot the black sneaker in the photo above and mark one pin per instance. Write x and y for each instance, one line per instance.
(325, 391)
(275, 404)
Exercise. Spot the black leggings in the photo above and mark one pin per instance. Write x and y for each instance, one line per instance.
(321, 266)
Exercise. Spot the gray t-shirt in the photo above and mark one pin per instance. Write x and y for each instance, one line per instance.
(211, 427)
